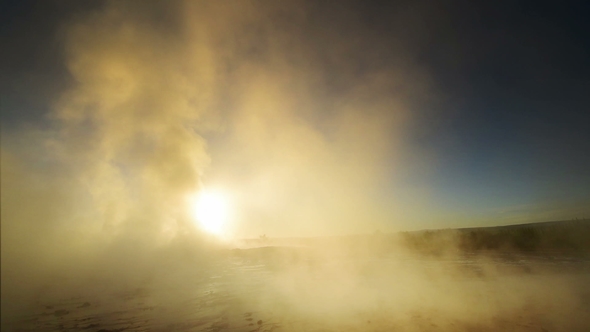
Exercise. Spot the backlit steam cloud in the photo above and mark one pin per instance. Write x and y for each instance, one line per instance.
(288, 106)
(130, 122)
(145, 96)
(162, 92)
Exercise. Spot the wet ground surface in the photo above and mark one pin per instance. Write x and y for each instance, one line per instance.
(243, 296)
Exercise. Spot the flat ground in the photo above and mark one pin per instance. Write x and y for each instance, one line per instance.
(298, 289)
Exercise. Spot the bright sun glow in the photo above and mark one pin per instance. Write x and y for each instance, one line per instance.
(211, 210)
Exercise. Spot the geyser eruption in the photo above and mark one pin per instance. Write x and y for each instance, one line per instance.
(301, 112)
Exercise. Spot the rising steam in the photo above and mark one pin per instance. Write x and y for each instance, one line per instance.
(167, 97)
(304, 130)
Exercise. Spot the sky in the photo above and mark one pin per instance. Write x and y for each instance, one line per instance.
(313, 118)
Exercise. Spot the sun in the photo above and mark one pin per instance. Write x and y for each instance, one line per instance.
(211, 211)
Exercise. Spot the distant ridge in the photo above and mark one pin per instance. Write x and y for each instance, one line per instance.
(563, 236)
(540, 224)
